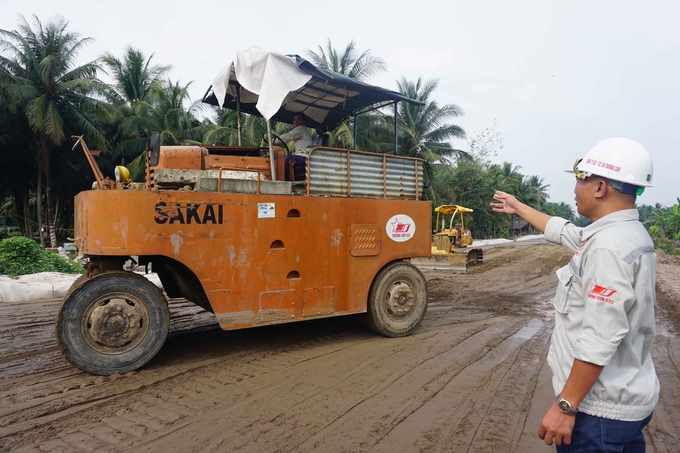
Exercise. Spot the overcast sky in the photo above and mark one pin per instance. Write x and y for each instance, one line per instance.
(558, 76)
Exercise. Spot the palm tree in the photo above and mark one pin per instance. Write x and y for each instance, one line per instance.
(532, 191)
(423, 130)
(52, 92)
(376, 133)
(163, 111)
(224, 131)
(349, 63)
(360, 67)
(561, 209)
(507, 177)
(134, 75)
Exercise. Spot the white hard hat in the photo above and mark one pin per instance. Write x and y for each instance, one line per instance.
(617, 159)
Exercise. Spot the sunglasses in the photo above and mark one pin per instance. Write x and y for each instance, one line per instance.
(581, 175)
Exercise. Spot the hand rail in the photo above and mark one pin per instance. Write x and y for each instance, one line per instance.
(90, 158)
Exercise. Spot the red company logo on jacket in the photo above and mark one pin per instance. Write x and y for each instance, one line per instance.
(601, 293)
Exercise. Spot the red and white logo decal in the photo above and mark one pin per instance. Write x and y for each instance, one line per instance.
(400, 228)
(601, 293)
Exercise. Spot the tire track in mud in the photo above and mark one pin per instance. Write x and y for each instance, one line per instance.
(280, 416)
(68, 394)
(466, 381)
(62, 406)
(51, 377)
(22, 328)
(395, 387)
(455, 417)
(21, 338)
(181, 396)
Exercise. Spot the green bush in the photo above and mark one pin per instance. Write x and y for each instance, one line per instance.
(20, 256)
(666, 245)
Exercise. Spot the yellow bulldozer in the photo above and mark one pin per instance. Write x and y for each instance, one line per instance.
(451, 241)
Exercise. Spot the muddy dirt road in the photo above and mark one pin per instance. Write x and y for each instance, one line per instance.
(472, 378)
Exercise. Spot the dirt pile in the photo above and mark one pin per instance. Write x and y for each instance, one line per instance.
(668, 288)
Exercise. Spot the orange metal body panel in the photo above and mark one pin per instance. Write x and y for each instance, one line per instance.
(182, 157)
(198, 158)
(261, 259)
(245, 162)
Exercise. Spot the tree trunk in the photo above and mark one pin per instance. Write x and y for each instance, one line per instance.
(45, 219)
(49, 199)
(27, 217)
(23, 200)
(66, 217)
(38, 203)
(58, 227)
(20, 196)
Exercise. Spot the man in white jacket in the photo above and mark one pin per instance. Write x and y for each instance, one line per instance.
(603, 374)
(303, 143)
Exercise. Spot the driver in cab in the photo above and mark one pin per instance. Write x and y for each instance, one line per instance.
(303, 142)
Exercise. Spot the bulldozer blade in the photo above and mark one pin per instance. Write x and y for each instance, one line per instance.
(452, 261)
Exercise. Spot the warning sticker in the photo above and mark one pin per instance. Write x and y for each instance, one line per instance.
(400, 228)
(266, 210)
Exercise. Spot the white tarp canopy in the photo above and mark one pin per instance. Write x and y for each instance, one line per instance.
(266, 77)
(278, 86)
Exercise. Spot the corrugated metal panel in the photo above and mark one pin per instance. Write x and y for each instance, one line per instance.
(329, 175)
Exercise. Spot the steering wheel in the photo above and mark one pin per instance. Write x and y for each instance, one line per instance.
(276, 137)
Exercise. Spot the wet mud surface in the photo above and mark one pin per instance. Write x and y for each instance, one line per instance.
(472, 378)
